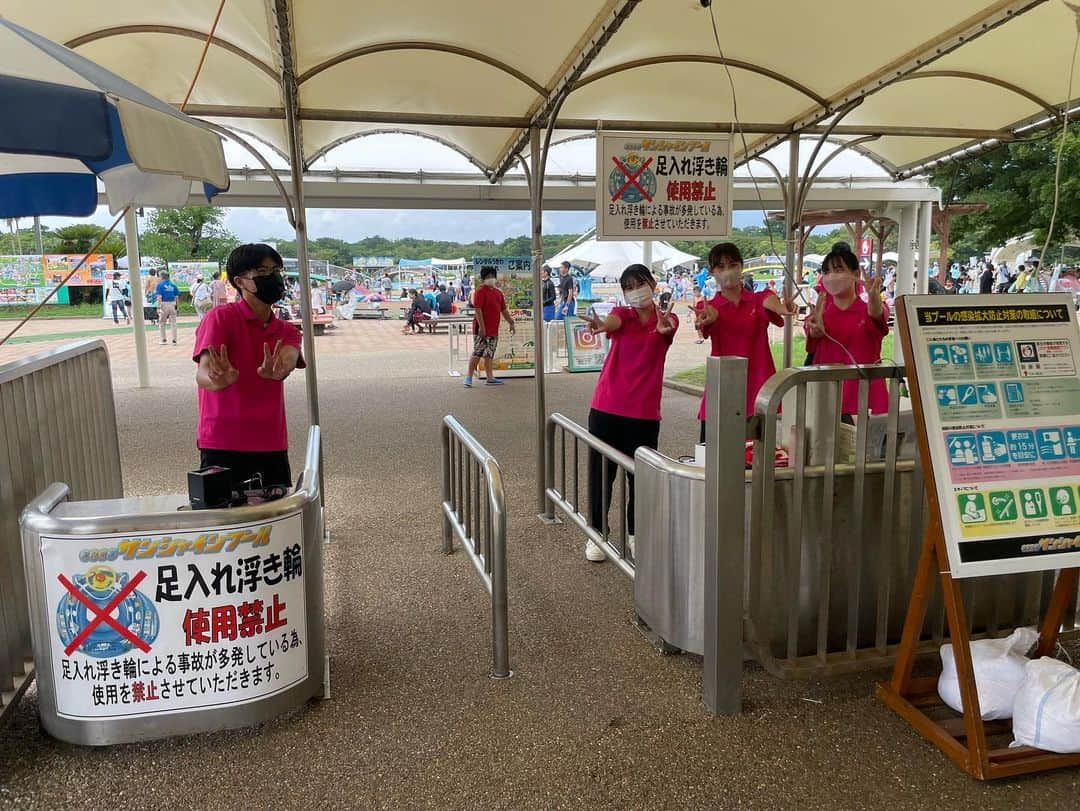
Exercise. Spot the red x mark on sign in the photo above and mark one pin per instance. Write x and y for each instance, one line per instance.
(631, 179)
(104, 614)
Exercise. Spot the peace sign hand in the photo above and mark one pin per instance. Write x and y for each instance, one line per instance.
(274, 365)
(220, 371)
(664, 324)
(872, 285)
(594, 322)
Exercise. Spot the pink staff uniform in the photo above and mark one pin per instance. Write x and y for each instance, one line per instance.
(632, 379)
(861, 335)
(742, 330)
(249, 415)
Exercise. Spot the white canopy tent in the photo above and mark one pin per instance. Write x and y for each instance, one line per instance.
(937, 85)
(303, 78)
(611, 258)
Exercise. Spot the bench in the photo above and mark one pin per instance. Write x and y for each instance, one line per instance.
(370, 312)
(445, 321)
(318, 322)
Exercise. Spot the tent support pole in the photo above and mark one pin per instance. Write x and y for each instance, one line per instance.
(791, 234)
(296, 178)
(37, 236)
(536, 210)
(926, 217)
(131, 236)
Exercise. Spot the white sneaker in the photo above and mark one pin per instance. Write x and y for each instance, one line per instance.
(630, 545)
(594, 553)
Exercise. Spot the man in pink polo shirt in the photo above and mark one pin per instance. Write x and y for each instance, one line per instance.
(244, 353)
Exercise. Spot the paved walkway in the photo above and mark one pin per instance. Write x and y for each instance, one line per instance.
(594, 717)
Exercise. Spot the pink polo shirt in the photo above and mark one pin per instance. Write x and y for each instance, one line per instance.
(249, 415)
(742, 330)
(632, 379)
(861, 335)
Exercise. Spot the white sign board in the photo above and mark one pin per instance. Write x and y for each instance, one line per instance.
(999, 382)
(656, 186)
(175, 621)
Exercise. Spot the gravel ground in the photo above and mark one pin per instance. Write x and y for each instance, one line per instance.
(594, 716)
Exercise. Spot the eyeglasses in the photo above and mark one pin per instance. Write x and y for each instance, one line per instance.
(258, 273)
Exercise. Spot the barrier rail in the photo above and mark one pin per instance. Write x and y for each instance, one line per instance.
(833, 543)
(559, 427)
(459, 356)
(57, 423)
(829, 544)
(474, 510)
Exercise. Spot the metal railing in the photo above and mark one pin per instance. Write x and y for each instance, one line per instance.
(564, 488)
(833, 539)
(474, 510)
(57, 423)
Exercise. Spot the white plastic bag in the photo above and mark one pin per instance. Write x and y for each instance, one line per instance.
(999, 672)
(1046, 713)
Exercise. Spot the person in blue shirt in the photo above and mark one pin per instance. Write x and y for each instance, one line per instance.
(167, 294)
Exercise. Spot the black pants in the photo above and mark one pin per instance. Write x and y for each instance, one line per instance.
(625, 434)
(273, 466)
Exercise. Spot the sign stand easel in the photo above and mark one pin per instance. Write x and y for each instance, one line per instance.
(915, 699)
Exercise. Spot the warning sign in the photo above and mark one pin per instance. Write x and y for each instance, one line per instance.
(169, 622)
(659, 186)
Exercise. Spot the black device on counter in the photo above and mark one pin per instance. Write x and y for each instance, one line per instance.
(210, 488)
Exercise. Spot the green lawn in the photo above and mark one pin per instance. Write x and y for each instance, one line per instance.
(85, 310)
(696, 376)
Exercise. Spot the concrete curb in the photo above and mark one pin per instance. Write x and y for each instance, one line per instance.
(685, 388)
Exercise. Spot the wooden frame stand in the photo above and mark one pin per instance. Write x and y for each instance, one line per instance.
(915, 700)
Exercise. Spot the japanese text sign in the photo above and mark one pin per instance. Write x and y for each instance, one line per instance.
(999, 387)
(176, 621)
(655, 186)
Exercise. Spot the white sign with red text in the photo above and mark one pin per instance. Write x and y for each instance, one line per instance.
(171, 622)
(659, 186)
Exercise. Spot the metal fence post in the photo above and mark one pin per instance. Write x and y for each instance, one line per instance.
(500, 640)
(725, 382)
(447, 492)
(548, 516)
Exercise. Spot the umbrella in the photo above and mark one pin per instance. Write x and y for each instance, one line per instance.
(69, 122)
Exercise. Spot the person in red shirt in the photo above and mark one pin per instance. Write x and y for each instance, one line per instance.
(848, 328)
(737, 322)
(244, 353)
(696, 307)
(625, 408)
(489, 306)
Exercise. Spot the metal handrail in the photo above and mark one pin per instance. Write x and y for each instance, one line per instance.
(559, 423)
(479, 524)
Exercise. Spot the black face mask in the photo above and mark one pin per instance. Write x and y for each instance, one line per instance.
(269, 289)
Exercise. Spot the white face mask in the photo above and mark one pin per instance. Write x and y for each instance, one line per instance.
(728, 279)
(639, 296)
(490, 281)
(838, 284)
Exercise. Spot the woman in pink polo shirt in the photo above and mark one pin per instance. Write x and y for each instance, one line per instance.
(244, 353)
(737, 322)
(847, 327)
(625, 408)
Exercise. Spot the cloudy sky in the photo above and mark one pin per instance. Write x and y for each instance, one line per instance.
(407, 153)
